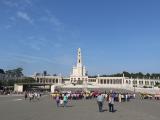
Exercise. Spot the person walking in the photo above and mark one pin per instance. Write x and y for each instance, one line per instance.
(30, 96)
(111, 103)
(100, 99)
(57, 100)
(65, 100)
(61, 100)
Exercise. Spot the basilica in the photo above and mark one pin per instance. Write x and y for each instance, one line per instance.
(79, 78)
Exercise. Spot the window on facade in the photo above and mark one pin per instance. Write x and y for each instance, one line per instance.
(127, 81)
(107, 81)
(38, 80)
(49, 80)
(134, 81)
(120, 81)
(101, 81)
(146, 82)
(152, 83)
(111, 81)
(56, 80)
(104, 81)
(141, 82)
(116, 81)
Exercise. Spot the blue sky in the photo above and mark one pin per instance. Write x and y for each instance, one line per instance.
(114, 35)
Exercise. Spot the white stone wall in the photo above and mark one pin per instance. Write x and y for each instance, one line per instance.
(18, 88)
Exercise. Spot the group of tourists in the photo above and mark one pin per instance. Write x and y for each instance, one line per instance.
(61, 100)
(63, 97)
(32, 95)
(100, 100)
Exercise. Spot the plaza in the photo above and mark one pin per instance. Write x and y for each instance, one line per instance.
(16, 108)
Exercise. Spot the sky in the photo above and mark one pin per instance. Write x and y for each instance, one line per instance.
(114, 35)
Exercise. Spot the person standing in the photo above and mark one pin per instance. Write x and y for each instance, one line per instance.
(25, 95)
(100, 100)
(119, 97)
(111, 103)
(38, 96)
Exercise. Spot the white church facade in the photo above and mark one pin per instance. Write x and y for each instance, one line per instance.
(79, 77)
(79, 71)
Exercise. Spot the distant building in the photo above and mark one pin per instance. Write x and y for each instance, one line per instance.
(78, 71)
(79, 76)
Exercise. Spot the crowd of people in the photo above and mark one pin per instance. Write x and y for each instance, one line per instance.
(78, 95)
(150, 96)
(62, 98)
(32, 95)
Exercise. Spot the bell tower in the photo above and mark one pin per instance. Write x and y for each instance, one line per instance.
(79, 58)
(78, 71)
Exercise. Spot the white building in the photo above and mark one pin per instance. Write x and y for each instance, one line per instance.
(79, 77)
(79, 71)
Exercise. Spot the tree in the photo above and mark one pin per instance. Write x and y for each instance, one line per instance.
(28, 80)
(126, 74)
(148, 75)
(2, 75)
(18, 72)
(14, 74)
(2, 71)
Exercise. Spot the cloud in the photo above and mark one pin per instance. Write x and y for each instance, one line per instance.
(55, 23)
(7, 26)
(29, 58)
(39, 42)
(57, 45)
(10, 3)
(21, 4)
(52, 18)
(29, 2)
(64, 59)
(24, 16)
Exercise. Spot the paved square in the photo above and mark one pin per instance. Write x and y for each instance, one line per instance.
(16, 108)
